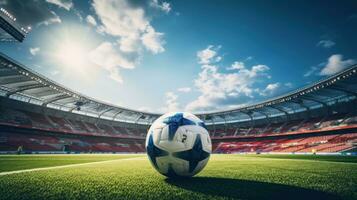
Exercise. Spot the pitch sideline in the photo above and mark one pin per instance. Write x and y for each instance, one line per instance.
(65, 166)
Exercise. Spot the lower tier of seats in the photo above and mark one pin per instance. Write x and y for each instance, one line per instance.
(28, 140)
(56, 143)
(304, 144)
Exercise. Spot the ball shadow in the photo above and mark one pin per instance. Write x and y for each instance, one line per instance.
(245, 189)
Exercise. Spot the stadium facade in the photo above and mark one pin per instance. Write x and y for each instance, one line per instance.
(40, 115)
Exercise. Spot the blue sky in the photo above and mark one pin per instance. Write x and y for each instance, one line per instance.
(196, 56)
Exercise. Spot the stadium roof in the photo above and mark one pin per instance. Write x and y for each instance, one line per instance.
(20, 83)
(9, 29)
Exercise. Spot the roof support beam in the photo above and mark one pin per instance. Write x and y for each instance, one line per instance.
(4, 72)
(72, 109)
(318, 101)
(314, 100)
(287, 115)
(343, 90)
(75, 107)
(249, 113)
(29, 87)
(13, 79)
(116, 114)
(65, 96)
(105, 111)
(261, 112)
(20, 82)
(149, 119)
(300, 102)
(137, 119)
(152, 121)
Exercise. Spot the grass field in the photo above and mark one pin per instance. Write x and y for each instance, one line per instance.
(132, 177)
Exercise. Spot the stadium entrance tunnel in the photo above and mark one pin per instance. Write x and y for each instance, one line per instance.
(247, 189)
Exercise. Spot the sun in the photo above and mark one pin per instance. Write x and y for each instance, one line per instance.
(70, 50)
(72, 54)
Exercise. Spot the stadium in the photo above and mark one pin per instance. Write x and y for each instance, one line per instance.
(57, 143)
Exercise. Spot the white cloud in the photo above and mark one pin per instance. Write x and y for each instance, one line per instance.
(129, 25)
(288, 84)
(153, 40)
(249, 58)
(272, 86)
(184, 89)
(66, 4)
(171, 103)
(119, 19)
(90, 19)
(164, 6)
(335, 64)
(225, 89)
(34, 51)
(270, 89)
(326, 43)
(129, 44)
(109, 58)
(144, 108)
(131, 29)
(54, 72)
(54, 19)
(311, 71)
(208, 55)
(236, 66)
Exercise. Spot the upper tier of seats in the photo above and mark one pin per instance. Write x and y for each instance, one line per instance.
(28, 119)
(289, 127)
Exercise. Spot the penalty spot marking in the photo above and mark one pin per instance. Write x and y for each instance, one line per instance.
(67, 166)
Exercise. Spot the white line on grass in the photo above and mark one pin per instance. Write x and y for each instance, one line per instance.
(65, 166)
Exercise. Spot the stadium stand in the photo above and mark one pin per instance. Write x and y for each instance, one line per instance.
(40, 115)
(30, 142)
(302, 144)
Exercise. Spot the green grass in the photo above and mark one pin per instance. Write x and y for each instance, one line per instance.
(331, 158)
(225, 177)
(19, 162)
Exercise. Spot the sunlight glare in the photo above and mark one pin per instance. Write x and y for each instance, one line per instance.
(72, 54)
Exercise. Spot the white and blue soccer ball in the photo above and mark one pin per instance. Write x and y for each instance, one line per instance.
(178, 144)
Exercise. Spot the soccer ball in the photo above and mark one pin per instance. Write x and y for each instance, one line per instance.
(178, 144)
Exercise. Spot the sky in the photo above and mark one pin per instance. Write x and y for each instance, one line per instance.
(197, 56)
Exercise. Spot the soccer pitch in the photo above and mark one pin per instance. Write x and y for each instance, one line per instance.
(132, 177)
